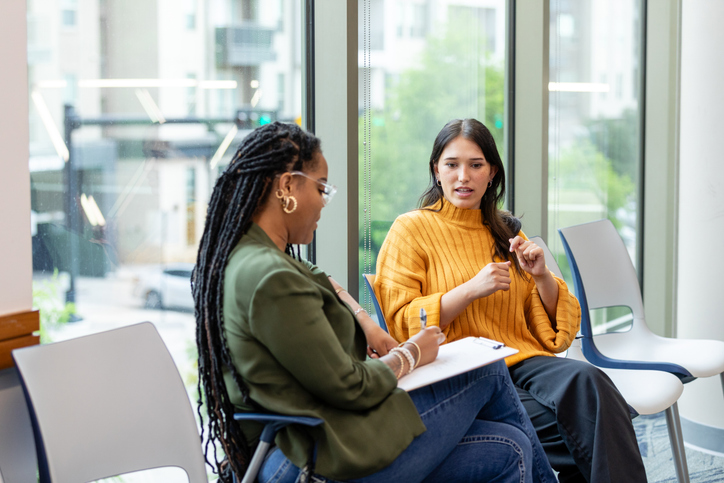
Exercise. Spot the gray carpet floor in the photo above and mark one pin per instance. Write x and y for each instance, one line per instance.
(653, 439)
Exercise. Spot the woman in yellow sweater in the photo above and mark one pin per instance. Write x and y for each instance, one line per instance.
(475, 273)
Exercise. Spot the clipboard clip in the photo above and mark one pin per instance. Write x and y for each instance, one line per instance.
(493, 344)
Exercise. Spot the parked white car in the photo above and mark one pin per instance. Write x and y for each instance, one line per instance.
(167, 286)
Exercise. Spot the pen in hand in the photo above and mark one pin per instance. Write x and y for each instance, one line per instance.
(423, 324)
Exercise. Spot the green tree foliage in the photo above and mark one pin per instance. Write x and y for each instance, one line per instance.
(618, 139)
(587, 177)
(454, 78)
(48, 300)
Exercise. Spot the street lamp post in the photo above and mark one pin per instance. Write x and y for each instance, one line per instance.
(72, 195)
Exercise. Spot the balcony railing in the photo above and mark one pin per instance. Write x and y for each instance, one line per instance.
(244, 45)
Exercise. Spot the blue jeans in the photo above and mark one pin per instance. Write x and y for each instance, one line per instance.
(477, 430)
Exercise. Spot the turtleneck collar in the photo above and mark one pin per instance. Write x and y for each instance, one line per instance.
(459, 216)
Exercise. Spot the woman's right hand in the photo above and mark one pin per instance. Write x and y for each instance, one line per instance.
(493, 277)
(429, 342)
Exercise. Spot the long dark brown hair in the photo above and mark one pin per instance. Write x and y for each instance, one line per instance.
(502, 224)
(239, 192)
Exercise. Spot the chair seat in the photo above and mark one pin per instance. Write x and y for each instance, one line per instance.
(702, 358)
(648, 392)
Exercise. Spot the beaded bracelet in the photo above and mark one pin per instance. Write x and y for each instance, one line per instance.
(361, 309)
(402, 364)
(410, 360)
(408, 356)
(419, 352)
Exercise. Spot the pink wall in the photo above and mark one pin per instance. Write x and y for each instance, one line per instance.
(15, 246)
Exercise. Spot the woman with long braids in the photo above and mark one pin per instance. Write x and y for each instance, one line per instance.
(467, 263)
(274, 335)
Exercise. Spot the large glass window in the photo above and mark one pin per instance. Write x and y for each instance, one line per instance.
(595, 123)
(421, 64)
(135, 108)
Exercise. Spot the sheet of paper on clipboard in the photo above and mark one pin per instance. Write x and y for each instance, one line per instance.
(456, 358)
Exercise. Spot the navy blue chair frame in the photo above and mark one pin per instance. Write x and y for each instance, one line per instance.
(588, 345)
(375, 302)
(273, 423)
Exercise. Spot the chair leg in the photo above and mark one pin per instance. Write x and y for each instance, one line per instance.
(255, 463)
(677, 443)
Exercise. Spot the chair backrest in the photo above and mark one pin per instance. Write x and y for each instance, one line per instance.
(108, 404)
(17, 446)
(601, 267)
(551, 262)
(370, 282)
(603, 276)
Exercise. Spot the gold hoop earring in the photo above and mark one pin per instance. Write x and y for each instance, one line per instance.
(286, 204)
(490, 183)
(284, 200)
(438, 182)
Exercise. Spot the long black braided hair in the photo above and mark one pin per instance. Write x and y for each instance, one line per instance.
(239, 192)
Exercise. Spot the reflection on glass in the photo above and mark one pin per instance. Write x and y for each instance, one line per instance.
(611, 319)
(422, 63)
(595, 119)
(130, 102)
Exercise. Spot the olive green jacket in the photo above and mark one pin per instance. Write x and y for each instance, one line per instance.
(301, 352)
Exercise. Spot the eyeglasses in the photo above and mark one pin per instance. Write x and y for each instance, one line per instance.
(328, 190)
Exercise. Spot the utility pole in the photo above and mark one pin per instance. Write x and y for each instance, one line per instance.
(72, 195)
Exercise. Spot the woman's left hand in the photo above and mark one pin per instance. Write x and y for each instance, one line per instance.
(379, 342)
(530, 256)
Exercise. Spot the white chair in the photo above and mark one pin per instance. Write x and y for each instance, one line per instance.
(17, 446)
(646, 391)
(108, 404)
(604, 276)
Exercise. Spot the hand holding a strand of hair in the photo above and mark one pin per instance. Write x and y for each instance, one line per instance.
(530, 256)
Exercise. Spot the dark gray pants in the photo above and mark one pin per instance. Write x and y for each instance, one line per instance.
(581, 419)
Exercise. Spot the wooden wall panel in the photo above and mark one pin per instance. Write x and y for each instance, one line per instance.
(17, 330)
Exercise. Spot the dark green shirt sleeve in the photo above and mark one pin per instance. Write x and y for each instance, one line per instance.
(287, 315)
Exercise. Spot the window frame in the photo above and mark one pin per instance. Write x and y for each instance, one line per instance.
(661, 163)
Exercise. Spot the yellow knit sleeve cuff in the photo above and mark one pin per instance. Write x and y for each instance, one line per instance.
(407, 321)
(567, 323)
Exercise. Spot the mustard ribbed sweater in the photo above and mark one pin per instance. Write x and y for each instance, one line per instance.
(428, 253)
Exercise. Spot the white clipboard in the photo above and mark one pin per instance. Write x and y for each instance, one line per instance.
(456, 358)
